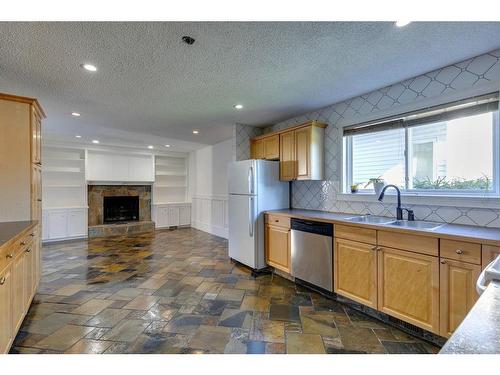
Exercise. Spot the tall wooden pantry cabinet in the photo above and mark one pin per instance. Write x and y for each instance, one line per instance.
(20, 210)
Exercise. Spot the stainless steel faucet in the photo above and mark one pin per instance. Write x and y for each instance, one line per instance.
(399, 209)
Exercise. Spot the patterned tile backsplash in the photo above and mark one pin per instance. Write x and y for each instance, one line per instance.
(474, 73)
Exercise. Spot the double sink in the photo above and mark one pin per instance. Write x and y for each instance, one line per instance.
(380, 220)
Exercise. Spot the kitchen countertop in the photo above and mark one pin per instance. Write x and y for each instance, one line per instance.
(479, 333)
(469, 233)
(10, 229)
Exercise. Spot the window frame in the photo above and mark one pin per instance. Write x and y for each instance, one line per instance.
(347, 174)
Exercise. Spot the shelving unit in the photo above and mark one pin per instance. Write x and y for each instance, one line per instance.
(170, 184)
(64, 193)
(63, 171)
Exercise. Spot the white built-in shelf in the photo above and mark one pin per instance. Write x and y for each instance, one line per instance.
(170, 180)
(63, 182)
(61, 170)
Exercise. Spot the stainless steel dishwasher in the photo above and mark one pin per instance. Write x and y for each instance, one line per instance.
(312, 255)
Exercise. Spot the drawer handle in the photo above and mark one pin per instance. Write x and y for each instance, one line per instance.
(459, 251)
(374, 248)
(277, 221)
(2, 280)
(443, 261)
(28, 250)
(9, 256)
(23, 243)
(32, 234)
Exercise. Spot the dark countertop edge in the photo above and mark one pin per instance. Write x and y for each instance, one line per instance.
(448, 231)
(479, 333)
(12, 229)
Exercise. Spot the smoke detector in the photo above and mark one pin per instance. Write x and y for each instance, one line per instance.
(188, 40)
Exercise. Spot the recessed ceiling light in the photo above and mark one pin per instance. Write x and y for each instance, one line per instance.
(167, 145)
(195, 131)
(238, 106)
(78, 136)
(75, 114)
(150, 147)
(89, 67)
(402, 23)
(95, 141)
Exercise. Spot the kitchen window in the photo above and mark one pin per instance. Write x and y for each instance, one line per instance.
(451, 149)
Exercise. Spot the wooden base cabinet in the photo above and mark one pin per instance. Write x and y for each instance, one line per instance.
(457, 293)
(355, 271)
(6, 331)
(408, 287)
(278, 247)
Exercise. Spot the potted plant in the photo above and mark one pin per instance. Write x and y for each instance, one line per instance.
(378, 184)
(354, 188)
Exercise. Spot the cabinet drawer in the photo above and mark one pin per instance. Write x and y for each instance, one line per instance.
(463, 251)
(365, 235)
(278, 220)
(489, 253)
(410, 242)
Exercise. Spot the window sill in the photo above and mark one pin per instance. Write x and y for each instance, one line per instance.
(427, 199)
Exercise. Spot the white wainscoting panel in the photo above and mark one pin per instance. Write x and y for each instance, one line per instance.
(210, 214)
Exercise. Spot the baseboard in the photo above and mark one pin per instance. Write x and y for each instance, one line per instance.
(54, 240)
(212, 229)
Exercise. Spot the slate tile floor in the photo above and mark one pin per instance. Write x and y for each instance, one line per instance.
(178, 292)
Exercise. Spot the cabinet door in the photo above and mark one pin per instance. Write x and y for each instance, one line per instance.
(278, 247)
(287, 156)
(355, 271)
(5, 310)
(29, 278)
(36, 192)
(408, 287)
(257, 149)
(58, 224)
(77, 224)
(18, 290)
(272, 147)
(36, 135)
(302, 153)
(185, 215)
(457, 293)
(37, 257)
(173, 216)
(141, 168)
(489, 254)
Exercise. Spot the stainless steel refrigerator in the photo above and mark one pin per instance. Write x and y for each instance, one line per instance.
(254, 187)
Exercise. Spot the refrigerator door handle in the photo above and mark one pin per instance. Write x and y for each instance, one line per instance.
(250, 217)
(250, 180)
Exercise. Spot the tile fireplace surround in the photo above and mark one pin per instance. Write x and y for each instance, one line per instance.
(96, 194)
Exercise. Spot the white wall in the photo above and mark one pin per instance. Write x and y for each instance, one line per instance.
(208, 187)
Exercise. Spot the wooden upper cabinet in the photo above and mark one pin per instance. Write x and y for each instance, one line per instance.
(408, 287)
(355, 271)
(287, 156)
(300, 150)
(303, 153)
(36, 136)
(272, 147)
(257, 149)
(457, 293)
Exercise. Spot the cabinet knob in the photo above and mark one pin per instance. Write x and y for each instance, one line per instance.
(23, 243)
(2, 280)
(28, 250)
(374, 248)
(32, 234)
(459, 251)
(9, 256)
(276, 221)
(443, 261)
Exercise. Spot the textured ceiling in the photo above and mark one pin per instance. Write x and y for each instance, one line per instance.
(155, 89)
